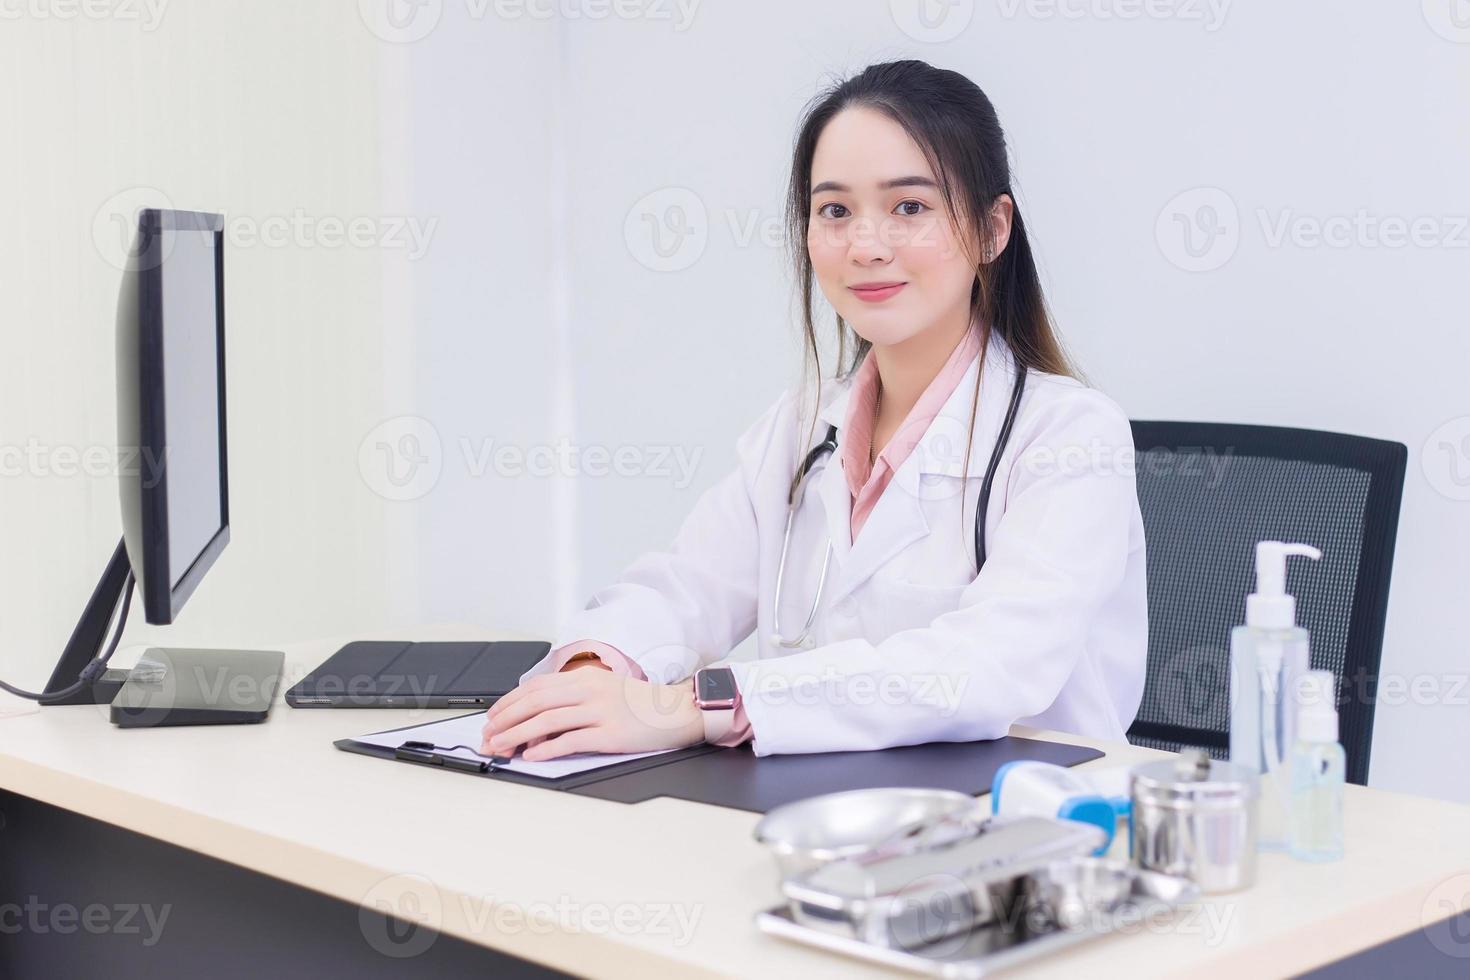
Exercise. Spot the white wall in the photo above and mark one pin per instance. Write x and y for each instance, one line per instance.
(488, 329)
(539, 315)
(272, 119)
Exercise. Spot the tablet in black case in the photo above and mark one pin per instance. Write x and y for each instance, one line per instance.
(402, 674)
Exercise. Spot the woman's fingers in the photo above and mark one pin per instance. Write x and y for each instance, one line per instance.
(531, 703)
(516, 693)
(554, 715)
(532, 743)
(526, 689)
(551, 722)
(570, 743)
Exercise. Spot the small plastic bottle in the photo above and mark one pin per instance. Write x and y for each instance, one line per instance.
(1318, 771)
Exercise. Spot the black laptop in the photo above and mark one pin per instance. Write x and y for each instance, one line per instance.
(401, 674)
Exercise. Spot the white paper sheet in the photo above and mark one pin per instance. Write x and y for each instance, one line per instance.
(453, 736)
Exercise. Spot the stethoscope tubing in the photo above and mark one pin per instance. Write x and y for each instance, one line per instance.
(829, 446)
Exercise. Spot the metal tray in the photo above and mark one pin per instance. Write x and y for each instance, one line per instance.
(1029, 932)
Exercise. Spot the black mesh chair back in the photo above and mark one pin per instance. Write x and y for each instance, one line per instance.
(1208, 492)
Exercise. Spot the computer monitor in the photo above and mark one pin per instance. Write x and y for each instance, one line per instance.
(171, 434)
(171, 406)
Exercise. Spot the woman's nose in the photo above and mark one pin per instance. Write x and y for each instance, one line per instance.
(870, 242)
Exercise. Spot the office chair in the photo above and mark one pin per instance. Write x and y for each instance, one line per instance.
(1208, 492)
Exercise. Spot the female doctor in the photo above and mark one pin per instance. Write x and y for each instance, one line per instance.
(847, 538)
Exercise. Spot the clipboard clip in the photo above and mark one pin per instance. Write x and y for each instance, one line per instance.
(426, 754)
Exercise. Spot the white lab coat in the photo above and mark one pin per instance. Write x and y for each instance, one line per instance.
(909, 644)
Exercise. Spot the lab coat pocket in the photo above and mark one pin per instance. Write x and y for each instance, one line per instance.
(891, 605)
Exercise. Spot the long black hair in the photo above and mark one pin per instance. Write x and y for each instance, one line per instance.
(954, 124)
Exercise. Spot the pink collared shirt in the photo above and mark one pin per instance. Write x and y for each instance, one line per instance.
(865, 483)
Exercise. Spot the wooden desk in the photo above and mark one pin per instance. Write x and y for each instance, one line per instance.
(633, 891)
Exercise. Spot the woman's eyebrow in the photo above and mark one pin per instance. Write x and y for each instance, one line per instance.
(912, 181)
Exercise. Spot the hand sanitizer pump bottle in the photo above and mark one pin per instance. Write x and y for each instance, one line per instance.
(1268, 656)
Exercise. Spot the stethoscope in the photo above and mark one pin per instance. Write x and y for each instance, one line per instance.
(828, 446)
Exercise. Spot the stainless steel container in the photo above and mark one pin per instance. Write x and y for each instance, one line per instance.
(1196, 817)
(906, 899)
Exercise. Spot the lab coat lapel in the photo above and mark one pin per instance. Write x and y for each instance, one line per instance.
(837, 510)
(831, 487)
(896, 522)
(941, 449)
(898, 519)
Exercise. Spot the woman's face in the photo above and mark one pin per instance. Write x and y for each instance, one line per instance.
(878, 220)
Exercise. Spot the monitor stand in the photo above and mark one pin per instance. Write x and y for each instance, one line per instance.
(169, 687)
(89, 636)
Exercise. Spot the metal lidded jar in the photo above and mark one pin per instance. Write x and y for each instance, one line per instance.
(1195, 816)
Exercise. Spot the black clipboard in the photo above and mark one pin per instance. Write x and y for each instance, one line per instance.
(738, 778)
(568, 782)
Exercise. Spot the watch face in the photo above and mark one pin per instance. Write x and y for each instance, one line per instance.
(716, 684)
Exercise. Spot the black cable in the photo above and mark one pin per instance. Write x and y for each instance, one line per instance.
(95, 668)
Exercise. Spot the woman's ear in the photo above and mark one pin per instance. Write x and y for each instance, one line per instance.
(1001, 210)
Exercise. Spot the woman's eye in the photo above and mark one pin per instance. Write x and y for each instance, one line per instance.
(824, 213)
(919, 206)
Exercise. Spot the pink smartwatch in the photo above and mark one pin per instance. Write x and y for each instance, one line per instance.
(715, 689)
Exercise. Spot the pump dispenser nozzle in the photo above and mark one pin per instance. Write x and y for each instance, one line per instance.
(1269, 606)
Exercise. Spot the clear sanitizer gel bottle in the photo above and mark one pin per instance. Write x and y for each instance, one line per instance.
(1268, 657)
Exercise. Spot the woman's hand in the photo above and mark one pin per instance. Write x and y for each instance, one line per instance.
(591, 711)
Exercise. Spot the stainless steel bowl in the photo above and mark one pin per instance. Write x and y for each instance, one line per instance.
(809, 833)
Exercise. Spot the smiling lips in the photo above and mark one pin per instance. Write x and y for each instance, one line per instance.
(876, 292)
